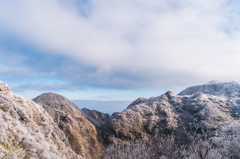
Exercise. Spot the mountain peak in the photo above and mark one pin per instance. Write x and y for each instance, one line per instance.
(226, 89)
(72, 121)
(58, 102)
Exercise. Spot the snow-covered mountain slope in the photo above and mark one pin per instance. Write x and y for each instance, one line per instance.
(212, 105)
(27, 131)
(31, 130)
(226, 89)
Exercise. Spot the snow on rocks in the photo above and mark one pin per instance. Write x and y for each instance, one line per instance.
(225, 89)
(27, 131)
(212, 105)
(4, 89)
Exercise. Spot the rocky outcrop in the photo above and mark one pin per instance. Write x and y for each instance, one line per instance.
(27, 131)
(81, 134)
(96, 117)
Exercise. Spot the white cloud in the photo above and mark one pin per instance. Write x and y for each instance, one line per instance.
(23, 71)
(44, 87)
(4, 68)
(160, 42)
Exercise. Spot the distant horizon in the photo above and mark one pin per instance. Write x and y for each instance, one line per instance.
(96, 94)
(109, 107)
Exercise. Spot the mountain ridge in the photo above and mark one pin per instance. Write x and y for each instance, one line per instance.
(85, 133)
(226, 89)
(211, 105)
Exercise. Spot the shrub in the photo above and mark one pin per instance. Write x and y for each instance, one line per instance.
(80, 150)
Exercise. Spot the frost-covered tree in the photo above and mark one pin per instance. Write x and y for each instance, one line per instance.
(225, 145)
(227, 140)
(120, 149)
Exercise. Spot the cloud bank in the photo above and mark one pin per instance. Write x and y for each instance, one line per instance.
(125, 44)
(44, 87)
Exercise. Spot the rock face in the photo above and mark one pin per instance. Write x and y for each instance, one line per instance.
(81, 134)
(27, 131)
(212, 105)
(96, 117)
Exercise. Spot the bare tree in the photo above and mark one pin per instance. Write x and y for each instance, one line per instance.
(227, 140)
(128, 150)
(200, 147)
(166, 147)
(226, 145)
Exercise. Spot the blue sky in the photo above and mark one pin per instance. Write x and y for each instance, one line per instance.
(117, 50)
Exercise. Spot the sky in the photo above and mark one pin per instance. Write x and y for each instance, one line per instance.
(117, 49)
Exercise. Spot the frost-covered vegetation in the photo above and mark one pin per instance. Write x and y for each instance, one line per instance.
(27, 131)
(56, 128)
(211, 105)
(225, 144)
